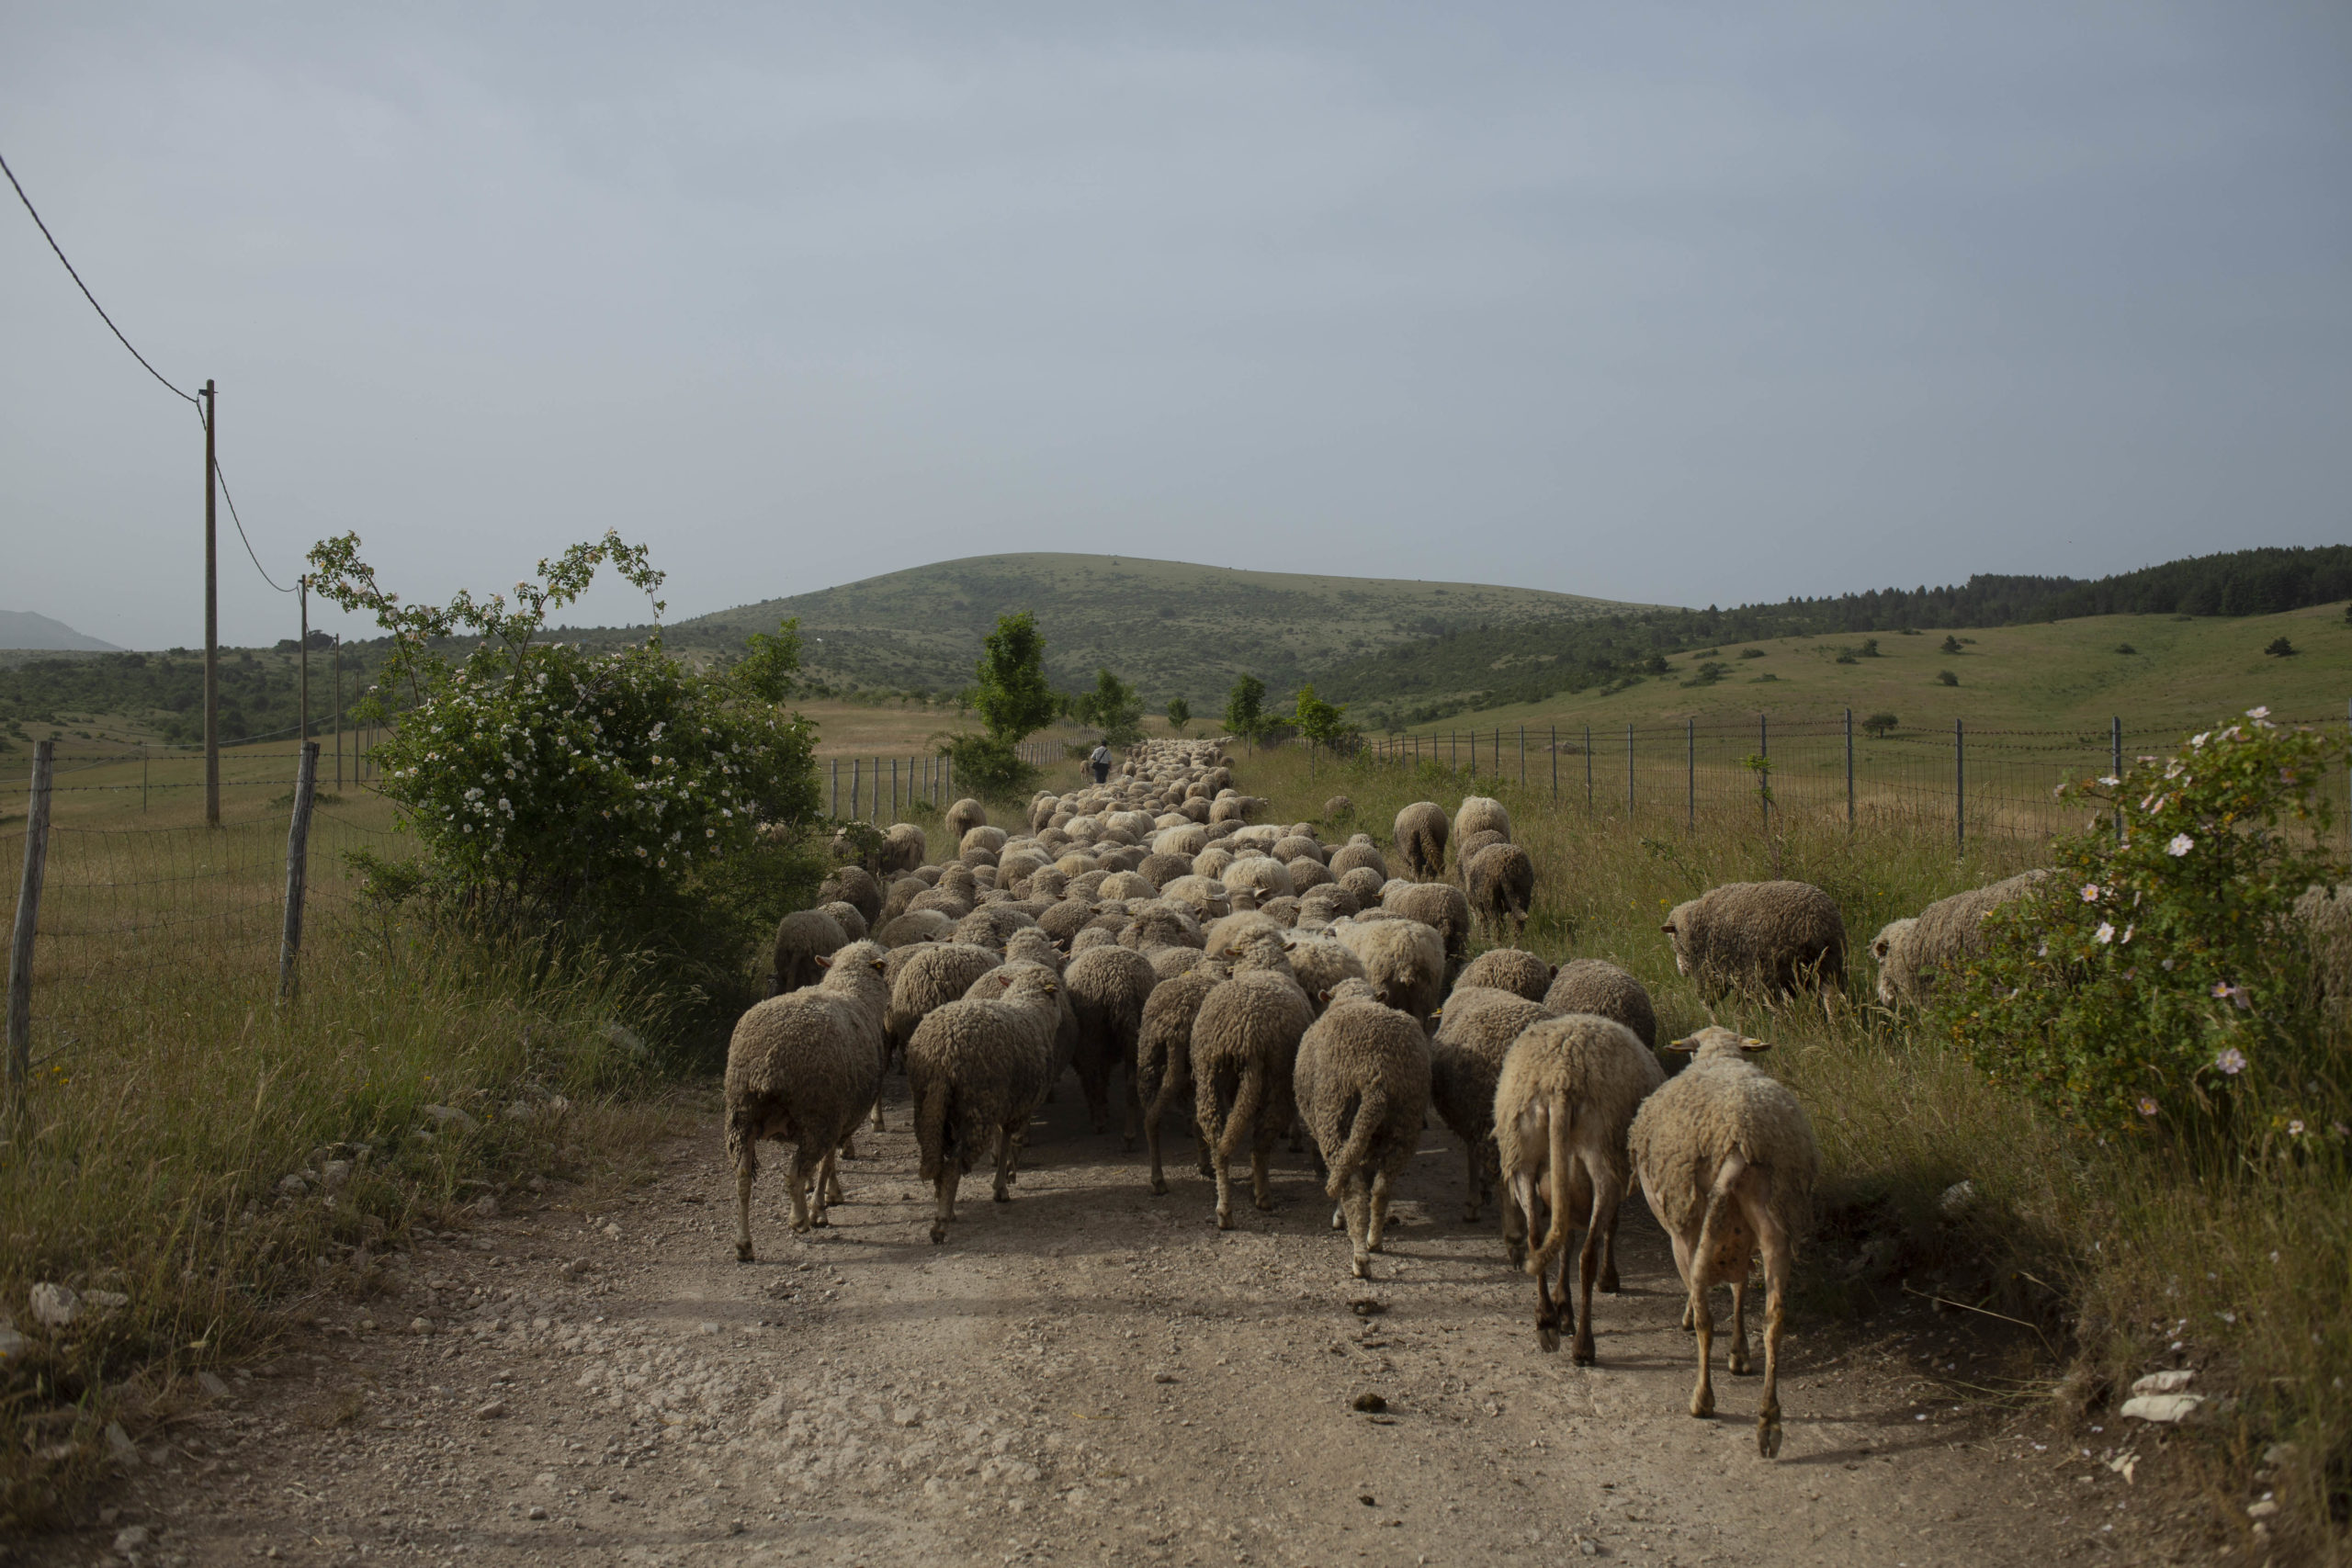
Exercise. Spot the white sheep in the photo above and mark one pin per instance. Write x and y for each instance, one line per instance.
(1728, 1160)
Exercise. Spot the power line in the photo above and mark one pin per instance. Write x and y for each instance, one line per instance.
(84, 288)
(223, 478)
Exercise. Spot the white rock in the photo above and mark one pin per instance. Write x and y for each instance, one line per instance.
(11, 1343)
(292, 1186)
(446, 1114)
(2163, 1382)
(129, 1540)
(210, 1383)
(2163, 1408)
(118, 1441)
(1957, 1198)
(107, 1301)
(53, 1306)
(334, 1174)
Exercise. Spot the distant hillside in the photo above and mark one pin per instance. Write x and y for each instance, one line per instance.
(1435, 678)
(25, 629)
(1172, 628)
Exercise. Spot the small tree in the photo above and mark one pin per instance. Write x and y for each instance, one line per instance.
(1879, 725)
(2280, 649)
(1326, 723)
(1245, 707)
(1011, 690)
(1111, 708)
(1950, 643)
(1946, 678)
(1180, 714)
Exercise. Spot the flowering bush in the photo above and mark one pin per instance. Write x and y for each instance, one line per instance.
(2162, 974)
(627, 792)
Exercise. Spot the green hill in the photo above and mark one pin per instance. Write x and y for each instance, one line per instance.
(1170, 627)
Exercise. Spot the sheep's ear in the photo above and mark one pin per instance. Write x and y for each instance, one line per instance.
(1668, 927)
(1322, 996)
(1754, 1047)
(879, 966)
(1879, 948)
(824, 961)
(1682, 1047)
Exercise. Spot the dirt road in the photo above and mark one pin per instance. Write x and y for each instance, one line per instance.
(1088, 1374)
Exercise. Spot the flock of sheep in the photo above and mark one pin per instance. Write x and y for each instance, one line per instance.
(1267, 983)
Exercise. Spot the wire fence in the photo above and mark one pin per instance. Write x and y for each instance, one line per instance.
(1972, 781)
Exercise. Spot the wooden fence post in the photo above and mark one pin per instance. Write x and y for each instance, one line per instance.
(1628, 773)
(1690, 771)
(298, 859)
(20, 950)
(1587, 770)
(1960, 786)
(1556, 764)
(2115, 738)
(833, 805)
(1849, 767)
(1522, 756)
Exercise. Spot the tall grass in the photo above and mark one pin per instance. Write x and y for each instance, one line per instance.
(2120, 1260)
(152, 1157)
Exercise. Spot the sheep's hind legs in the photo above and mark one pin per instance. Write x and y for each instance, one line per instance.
(806, 1163)
(1377, 1218)
(746, 1168)
(944, 1190)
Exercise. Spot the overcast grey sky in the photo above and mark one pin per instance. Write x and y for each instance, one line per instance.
(1674, 303)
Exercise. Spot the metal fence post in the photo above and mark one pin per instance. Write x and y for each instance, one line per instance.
(1849, 767)
(1628, 773)
(1587, 770)
(1960, 786)
(1556, 764)
(1522, 756)
(2115, 745)
(856, 777)
(1690, 771)
(298, 859)
(1764, 774)
(20, 950)
(833, 804)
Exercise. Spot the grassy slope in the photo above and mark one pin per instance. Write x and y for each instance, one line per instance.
(1171, 625)
(2061, 674)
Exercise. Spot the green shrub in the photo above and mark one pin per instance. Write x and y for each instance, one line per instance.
(1880, 724)
(2279, 647)
(989, 768)
(2161, 977)
(1946, 678)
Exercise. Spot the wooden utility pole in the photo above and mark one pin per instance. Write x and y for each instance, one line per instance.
(20, 947)
(211, 617)
(338, 710)
(298, 859)
(303, 584)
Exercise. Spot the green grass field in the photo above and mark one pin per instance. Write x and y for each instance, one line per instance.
(2060, 675)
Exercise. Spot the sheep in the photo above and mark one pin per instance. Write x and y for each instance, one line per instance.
(1498, 883)
(1291, 846)
(978, 1071)
(855, 885)
(936, 973)
(1420, 834)
(991, 925)
(1321, 964)
(1404, 959)
(1157, 925)
(1108, 986)
(1160, 869)
(904, 847)
(848, 917)
(1480, 814)
(1589, 984)
(1362, 1085)
(803, 1068)
(1338, 808)
(1365, 882)
(1728, 1160)
(801, 939)
(1245, 1039)
(1466, 848)
(1358, 851)
(1442, 906)
(1940, 938)
(965, 816)
(1475, 1030)
(1569, 1088)
(1775, 936)
(1508, 969)
(1063, 920)
(915, 925)
(1164, 1056)
(1262, 874)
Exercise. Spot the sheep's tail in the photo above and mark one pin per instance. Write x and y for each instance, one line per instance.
(1241, 1121)
(933, 1102)
(1371, 1113)
(1555, 1180)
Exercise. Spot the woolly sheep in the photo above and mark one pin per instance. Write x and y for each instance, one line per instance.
(1475, 1032)
(990, 926)
(978, 1071)
(1164, 1056)
(1204, 897)
(1442, 906)
(1589, 984)
(1480, 814)
(903, 847)
(1466, 848)
(1507, 969)
(965, 816)
(1338, 808)
(1421, 833)
(801, 939)
(1159, 924)
(1307, 872)
(1321, 964)
(1775, 936)
(1358, 852)
(847, 916)
(1365, 882)
(1160, 869)
(1362, 1086)
(1940, 939)
(802, 1069)
(1499, 885)
(915, 925)
(1728, 1160)
(1245, 1040)
(936, 973)
(1291, 846)
(1404, 959)
(1262, 874)
(1568, 1090)
(855, 885)
(1108, 986)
